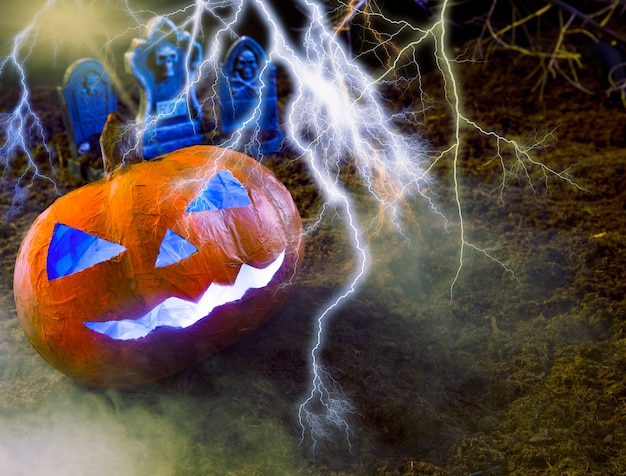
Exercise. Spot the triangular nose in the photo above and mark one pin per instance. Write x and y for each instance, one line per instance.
(174, 248)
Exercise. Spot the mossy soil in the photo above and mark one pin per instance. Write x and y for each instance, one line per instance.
(516, 366)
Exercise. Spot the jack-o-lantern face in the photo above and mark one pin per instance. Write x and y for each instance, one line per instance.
(131, 279)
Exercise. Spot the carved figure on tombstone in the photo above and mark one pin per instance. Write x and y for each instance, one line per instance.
(248, 99)
(245, 83)
(87, 97)
(165, 65)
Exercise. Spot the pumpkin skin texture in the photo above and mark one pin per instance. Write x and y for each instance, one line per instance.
(138, 209)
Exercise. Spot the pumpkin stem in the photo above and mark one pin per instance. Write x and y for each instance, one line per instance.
(119, 144)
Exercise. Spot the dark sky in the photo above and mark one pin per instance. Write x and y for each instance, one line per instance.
(70, 29)
(74, 29)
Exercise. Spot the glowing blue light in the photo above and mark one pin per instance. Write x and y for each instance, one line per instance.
(72, 250)
(223, 191)
(174, 248)
(179, 313)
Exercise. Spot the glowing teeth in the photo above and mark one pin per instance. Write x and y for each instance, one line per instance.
(179, 313)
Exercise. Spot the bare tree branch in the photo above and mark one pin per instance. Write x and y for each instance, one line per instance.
(588, 21)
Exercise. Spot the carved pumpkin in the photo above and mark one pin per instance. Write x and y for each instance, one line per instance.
(136, 276)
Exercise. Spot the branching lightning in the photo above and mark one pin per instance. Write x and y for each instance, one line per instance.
(523, 159)
(21, 127)
(337, 117)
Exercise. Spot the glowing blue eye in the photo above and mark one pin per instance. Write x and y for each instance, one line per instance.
(223, 191)
(72, 250)
(173, 249)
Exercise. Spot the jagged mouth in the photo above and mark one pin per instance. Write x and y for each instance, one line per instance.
(179, 313)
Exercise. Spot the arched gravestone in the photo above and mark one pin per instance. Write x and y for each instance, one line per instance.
(248, 98)
(165, 64)
(87, 97)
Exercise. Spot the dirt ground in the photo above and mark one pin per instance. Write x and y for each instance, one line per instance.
(518, 369)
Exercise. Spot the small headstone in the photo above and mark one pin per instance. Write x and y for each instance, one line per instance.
(87, 97)
(165, 65)
(248, 98)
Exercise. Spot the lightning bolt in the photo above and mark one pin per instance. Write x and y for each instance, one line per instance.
(337, 120)
(21, 128)
(337, 117)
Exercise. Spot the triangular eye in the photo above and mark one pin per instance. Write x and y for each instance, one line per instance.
(72, 250)
(223, 191)
(173, 249)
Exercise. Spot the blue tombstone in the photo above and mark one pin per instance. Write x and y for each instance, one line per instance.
(165, 64)
(248, 99)
(87, 97)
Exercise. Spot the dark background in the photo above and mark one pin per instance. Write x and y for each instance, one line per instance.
(520, 370)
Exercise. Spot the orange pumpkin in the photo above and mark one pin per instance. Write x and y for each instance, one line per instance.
(136, 276)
